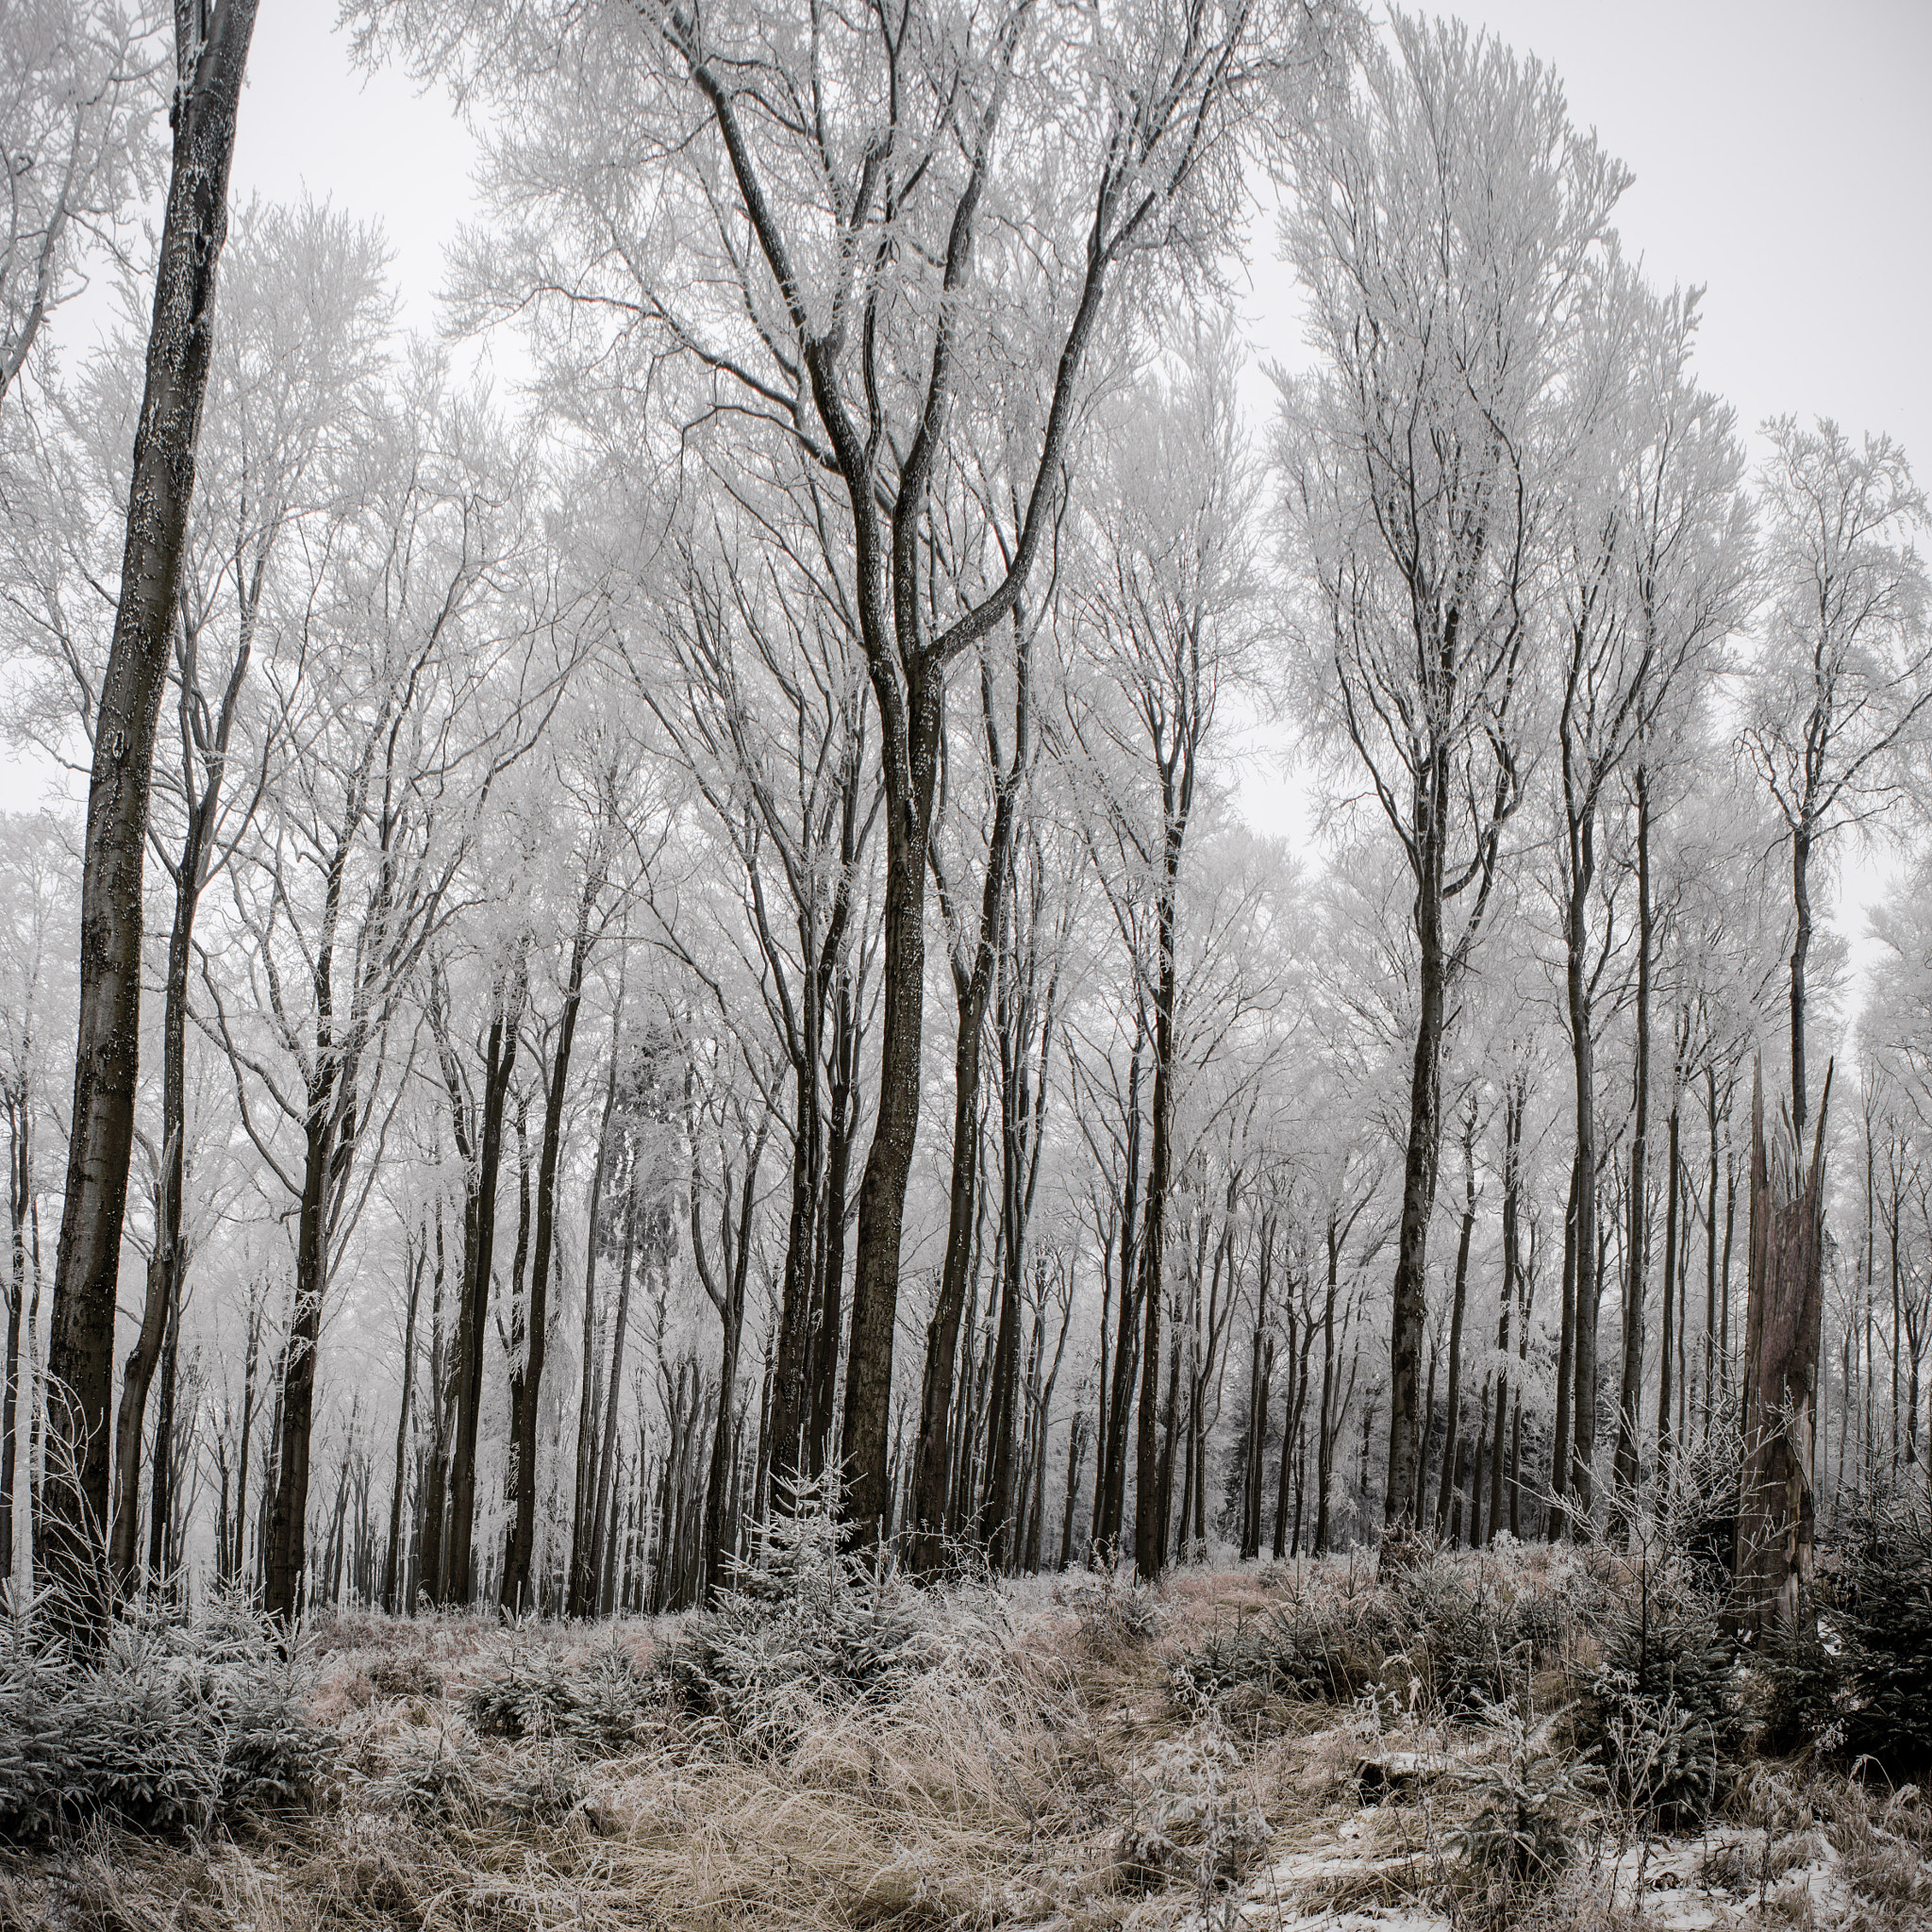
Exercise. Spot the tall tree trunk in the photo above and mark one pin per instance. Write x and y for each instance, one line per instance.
(75, 1505)
(911, 704)
(1149, 1525)
(1672, 1204)
(1512, 1264)
(1711, 1258)
(1801, 951)
(392, 1562)
(19, 1187)
(1566, 1355)
(472, 1317)
(1637, 1258)
(517, 1583)
(736, 1259)
(579, 1594)
(602, 1527)
(1449, 1484)
(1111, 1497)
(286, 1555)
(1409, 1309)
(1330, 1422)
(841, 1130)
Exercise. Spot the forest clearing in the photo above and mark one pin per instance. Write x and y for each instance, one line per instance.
(964, 963)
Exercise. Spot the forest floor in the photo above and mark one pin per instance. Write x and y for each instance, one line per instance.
(1072, 1753)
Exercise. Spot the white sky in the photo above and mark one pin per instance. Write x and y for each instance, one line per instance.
(1782, 149)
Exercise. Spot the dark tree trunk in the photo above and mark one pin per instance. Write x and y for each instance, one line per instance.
(1329, 1422)
(729, 1301)
(1149, 1522)
(1450, 1440)
(1672, 1202)
(525, 1410)
(19, 1186)
(1637, 1258)
(841, 1130)
(578, 1592)
(1512, 1263)
(603, 1528)
(971, 986)
(1110, 1496)
(392, 1562)
(1409, 1307)
(473, 1314)
(1566, 1355)
(75, 1501)
(1801, 951)
(286, 1557)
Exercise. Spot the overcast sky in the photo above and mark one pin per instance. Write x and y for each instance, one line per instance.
(1782, 150)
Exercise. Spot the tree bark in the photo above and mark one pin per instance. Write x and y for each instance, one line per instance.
(473, 1314)
(1783, 1323)
(75, 1503)
(517, 1587)
(1449, 1484)
(393, 1561)
(1409, 1304)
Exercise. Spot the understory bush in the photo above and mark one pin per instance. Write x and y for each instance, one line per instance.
(804, 1625)
(1531, 1794)
(1860, 1684)
(1193, 1821)
(1662, 1709)
(180, 1719)
(532, 1691)
(1117, 1615)
(1462, 1629)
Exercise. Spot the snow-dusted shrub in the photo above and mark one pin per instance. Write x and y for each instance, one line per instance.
(804, 1625)
(433, 1777)
(1662, 1708)
(1530, 1794)
(1117, 1615)
(530, 1690)
(1192, 1818)
(1861, 1684)
(178, 1720)
(1461, 1628)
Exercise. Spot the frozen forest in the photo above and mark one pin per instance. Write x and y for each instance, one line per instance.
(925, 1092)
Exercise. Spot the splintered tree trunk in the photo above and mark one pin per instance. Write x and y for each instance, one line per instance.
(87, 1266)
(1784, 1308)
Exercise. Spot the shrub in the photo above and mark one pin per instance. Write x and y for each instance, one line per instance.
(1191, 1822)
(432, 1778)
(530, 1691)
(804, 1625)
(1530, 1793)
(176, 1721)
(1461, 1628)
(1117, 1616)
(1662, 1708)
(1862, 1683)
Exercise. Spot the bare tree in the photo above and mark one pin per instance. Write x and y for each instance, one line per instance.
(211, 51)
(1841, 686)
(1419, 467)
(916, 256)
(80, 83)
